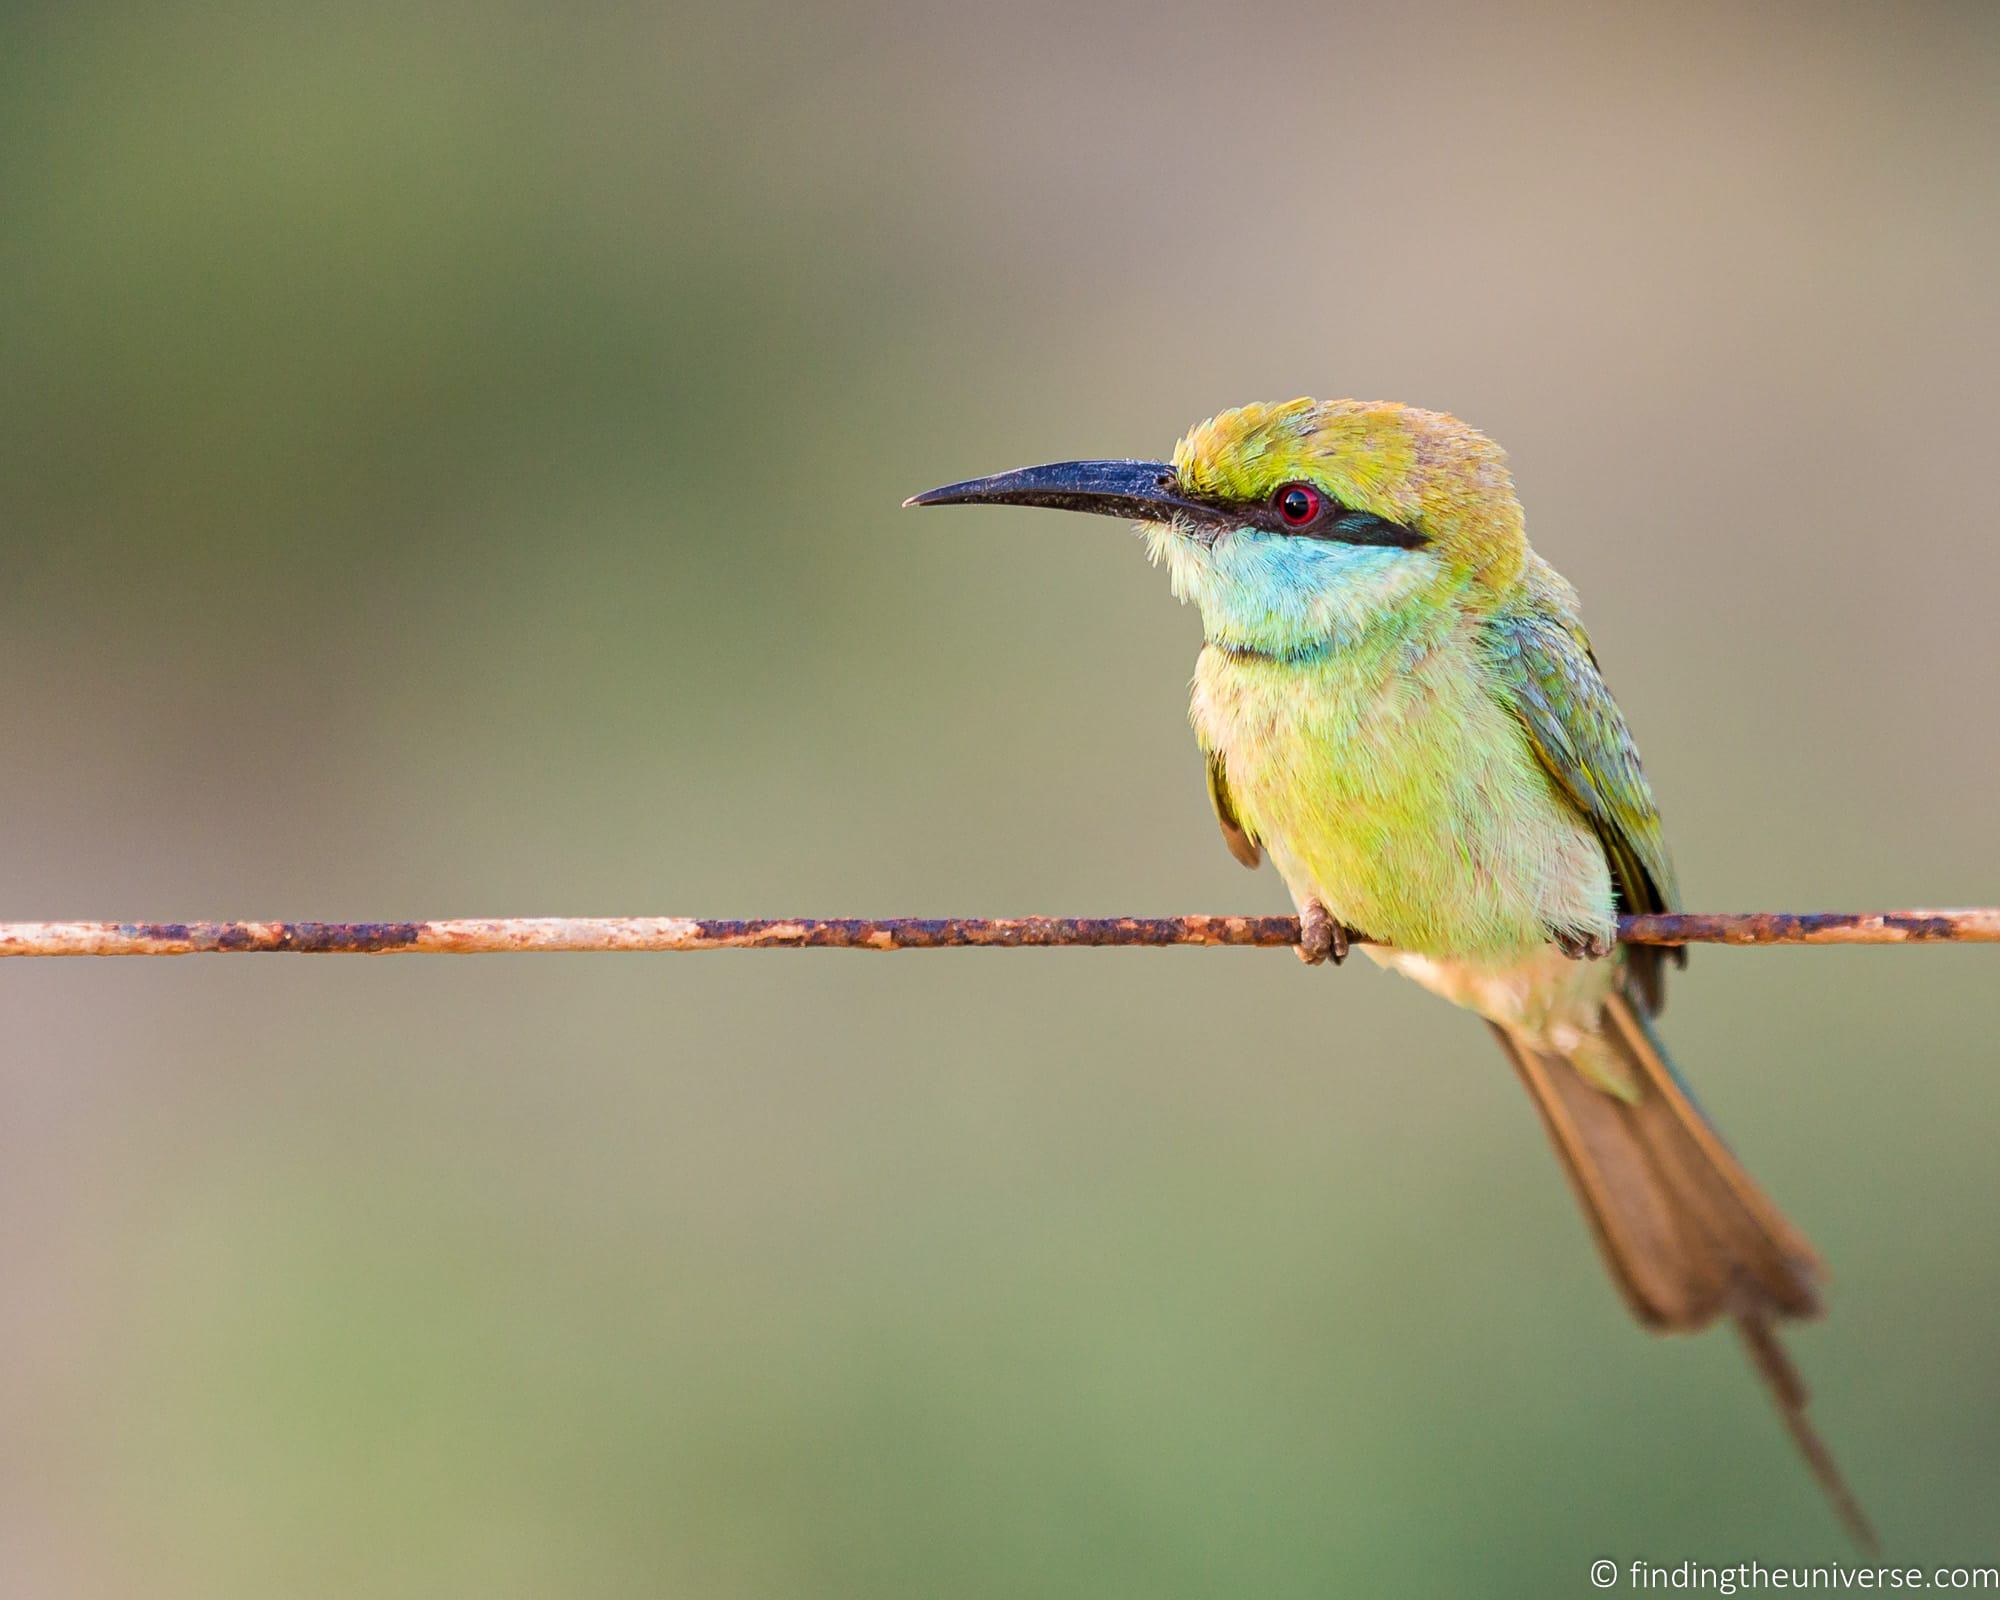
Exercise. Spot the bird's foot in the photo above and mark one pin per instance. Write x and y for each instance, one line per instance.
(1320, 937)
(1583, 946)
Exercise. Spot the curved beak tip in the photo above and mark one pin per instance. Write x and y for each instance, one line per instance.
(969, 492)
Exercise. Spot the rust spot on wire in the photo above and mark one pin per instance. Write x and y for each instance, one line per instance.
(225, 938)
(362, 938)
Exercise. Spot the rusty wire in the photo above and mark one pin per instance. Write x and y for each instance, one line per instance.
(522, 935)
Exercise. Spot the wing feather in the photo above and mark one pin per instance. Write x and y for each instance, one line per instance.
(1234, 834)
(1552, 683)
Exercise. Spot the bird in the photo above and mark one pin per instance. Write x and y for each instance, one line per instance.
(1397, 703)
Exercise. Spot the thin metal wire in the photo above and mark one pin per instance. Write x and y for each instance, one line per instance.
(522, 935)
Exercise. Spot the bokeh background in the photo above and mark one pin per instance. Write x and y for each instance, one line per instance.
(449, 465)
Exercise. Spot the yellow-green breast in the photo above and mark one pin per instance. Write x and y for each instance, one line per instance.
(1387, 782)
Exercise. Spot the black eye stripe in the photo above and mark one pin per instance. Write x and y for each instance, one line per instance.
(1361, 527)
(1336, 523)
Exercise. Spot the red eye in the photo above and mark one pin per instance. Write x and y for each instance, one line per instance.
(1297, 503)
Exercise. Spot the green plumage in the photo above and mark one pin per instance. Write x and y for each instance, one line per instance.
(1543, 663)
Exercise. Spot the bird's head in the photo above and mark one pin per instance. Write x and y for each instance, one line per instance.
(1294, 526)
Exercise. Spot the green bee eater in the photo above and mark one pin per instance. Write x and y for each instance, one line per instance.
(1399, 705)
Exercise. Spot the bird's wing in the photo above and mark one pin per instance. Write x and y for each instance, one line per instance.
(1552, 683)
(1234, 834)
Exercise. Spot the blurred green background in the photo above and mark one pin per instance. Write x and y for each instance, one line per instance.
(449, 465)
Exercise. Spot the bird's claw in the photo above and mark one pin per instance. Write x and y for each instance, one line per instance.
(1321, 938)
(1584, 946)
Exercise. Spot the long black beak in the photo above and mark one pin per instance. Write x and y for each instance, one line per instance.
(1138, 491)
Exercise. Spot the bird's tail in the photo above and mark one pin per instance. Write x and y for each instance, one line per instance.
(1686, 1233)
